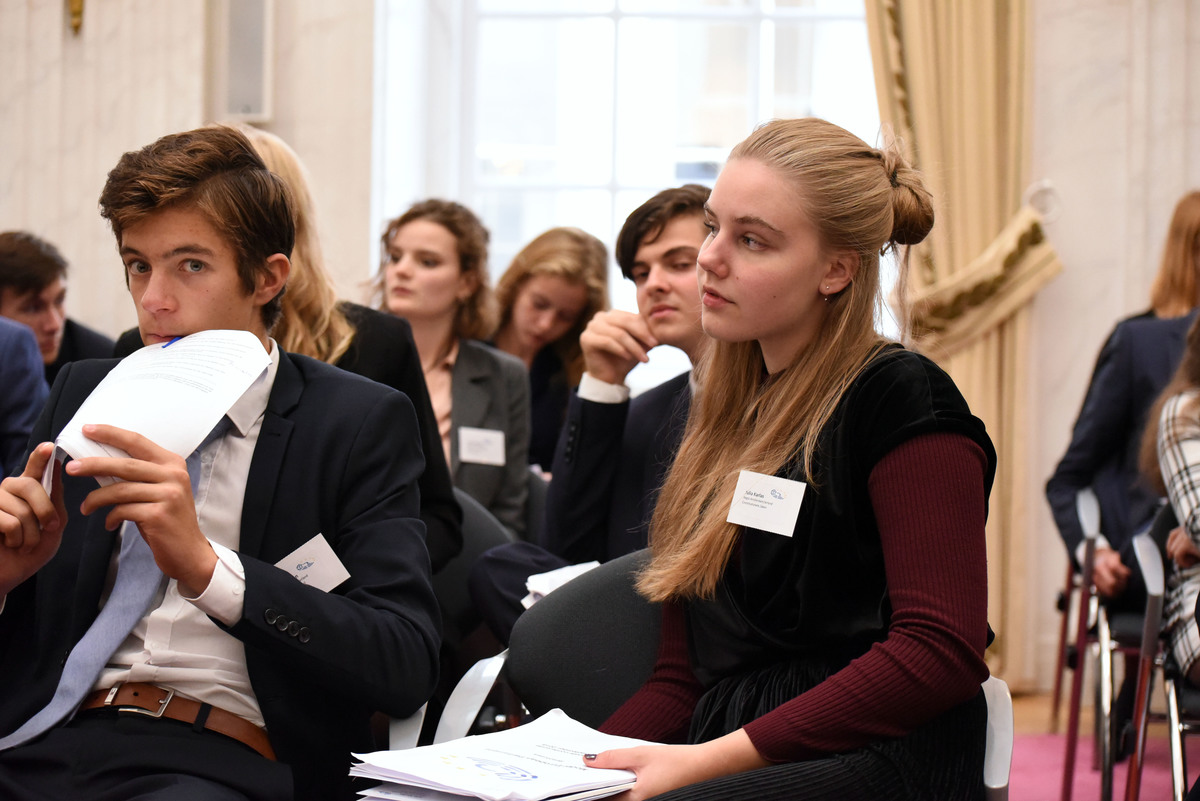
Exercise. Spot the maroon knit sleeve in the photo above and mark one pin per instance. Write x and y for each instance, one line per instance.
(928, 497)
(661, 711)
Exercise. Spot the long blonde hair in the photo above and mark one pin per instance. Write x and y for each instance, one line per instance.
(859, 199)
(1176, 287)
(573, 255)
(312, 323)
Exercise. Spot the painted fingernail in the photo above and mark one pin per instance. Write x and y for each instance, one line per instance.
(589, 757)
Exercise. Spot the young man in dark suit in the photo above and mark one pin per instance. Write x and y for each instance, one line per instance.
(614, 453)
(238, 681)
(33, 291)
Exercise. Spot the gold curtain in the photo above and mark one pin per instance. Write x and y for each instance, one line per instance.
(952, 82)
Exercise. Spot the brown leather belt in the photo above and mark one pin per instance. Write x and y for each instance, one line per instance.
(159, 702)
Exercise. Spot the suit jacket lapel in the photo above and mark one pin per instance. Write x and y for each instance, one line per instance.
(267, 462)
(469, 396)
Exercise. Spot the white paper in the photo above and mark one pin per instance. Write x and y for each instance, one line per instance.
(540, 585)
(539, 760)
(172, 394)
(766, 502)
(480, 446)
(314, 563)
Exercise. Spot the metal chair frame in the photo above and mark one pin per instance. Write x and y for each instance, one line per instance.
(1103, 645)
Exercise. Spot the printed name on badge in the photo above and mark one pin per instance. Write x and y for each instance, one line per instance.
(766, 502)
(480, 446)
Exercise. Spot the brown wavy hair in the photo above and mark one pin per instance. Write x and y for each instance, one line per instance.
(573, 255)
(216, 170)
(859, 199)
(476, 314)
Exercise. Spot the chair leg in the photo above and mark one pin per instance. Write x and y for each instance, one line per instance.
(1104, 710)
(1068, 780)
(1064, 628)
(1141, 717)
(1175, 736)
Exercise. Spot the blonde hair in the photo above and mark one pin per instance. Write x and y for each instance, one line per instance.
(312, 322)
(859, 199)
(474, 317)
(578, 258)
(1175, 289)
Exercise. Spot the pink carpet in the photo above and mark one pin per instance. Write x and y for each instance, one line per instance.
(1037, 769)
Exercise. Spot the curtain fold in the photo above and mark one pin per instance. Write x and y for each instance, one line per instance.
(952, 84)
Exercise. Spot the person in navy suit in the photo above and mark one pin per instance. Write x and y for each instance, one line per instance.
(613, 452)
(259, 686)
(1134, 366)
(24, 391)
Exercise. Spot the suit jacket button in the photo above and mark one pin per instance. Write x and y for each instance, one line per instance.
(270, 615)
(281, 623)
(303, 636)
(293, 628)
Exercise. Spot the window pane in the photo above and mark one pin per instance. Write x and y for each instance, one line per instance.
(543, 101)
(694, 6)
(848, 7)
(844, 89)
(515, 216)
(502, 6)
(685, 98)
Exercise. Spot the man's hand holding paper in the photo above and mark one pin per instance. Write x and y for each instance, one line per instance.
(155, 492)
(132, 435)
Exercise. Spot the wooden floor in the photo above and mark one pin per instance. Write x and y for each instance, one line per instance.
(1031, 714)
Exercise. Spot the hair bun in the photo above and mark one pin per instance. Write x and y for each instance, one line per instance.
(912, 205)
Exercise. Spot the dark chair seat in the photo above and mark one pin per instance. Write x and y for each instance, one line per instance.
(586, 647)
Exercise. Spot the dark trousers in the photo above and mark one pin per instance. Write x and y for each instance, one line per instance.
(103, 756)
(497, 582)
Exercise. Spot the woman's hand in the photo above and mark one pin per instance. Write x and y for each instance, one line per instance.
(661, 768)
(1181, 548)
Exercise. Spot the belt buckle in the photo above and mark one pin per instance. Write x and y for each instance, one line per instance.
(150, 713)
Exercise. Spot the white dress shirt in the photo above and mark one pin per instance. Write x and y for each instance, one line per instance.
(176, 645)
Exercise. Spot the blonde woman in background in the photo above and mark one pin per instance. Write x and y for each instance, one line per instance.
(316, 324)
(546, 296)
(434, 274)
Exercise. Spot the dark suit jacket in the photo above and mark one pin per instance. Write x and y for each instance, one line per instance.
(79, 342)
(490, 389)
(336, 455)
(383, 351)
(23, 391)
(610, 462)
(1134, 366)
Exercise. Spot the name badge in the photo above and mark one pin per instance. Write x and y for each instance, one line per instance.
(766, 502)
(480, 446)
(314, 563)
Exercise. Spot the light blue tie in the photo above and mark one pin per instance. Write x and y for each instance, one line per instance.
(136, 586)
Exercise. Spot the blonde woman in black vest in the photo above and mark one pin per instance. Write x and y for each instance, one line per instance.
(818, 545)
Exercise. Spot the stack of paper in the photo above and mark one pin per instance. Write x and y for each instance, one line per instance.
(540, 760)
(540, 585)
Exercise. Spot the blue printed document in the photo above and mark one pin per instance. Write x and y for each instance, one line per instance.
(538, 761)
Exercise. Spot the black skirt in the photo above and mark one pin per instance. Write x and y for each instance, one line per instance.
(942, 759)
